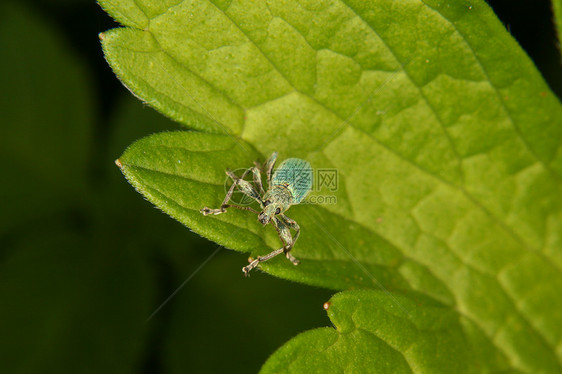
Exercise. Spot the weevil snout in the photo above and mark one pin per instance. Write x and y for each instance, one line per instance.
(268, 212)
(264, 218)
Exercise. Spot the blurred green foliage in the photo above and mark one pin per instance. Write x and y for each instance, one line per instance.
(557, 8)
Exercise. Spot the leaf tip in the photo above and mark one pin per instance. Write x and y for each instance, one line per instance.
(327, 305)
(119, 164)
(101, 36)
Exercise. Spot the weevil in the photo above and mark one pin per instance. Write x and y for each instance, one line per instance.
(289, 185)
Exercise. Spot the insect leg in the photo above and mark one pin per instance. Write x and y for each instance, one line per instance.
(245, 186)
(290, 223)
(288, 242)
(257, 178)
(253, 264)
(249, 209)
(269, 166)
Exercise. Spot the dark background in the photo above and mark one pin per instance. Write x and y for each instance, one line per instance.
(84, 260)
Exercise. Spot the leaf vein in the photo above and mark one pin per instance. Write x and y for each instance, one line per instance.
(516, 128)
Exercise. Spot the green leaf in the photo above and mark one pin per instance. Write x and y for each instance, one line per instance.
(378, 332)
(446, 140)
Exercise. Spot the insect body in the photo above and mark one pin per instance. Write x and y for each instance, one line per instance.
(289, 185)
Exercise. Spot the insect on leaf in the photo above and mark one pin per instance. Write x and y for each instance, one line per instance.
(435, 142)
